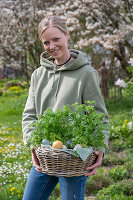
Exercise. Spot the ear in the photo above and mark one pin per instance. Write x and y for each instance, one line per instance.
(68, 35)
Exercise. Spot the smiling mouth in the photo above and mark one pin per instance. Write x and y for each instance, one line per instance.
(55, 53)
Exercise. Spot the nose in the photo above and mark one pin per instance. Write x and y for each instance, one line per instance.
(52, 45)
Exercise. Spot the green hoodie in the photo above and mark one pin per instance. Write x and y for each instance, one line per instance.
(55, 87)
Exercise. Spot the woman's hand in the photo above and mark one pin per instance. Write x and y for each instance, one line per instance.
(35, 161)
(95, 166)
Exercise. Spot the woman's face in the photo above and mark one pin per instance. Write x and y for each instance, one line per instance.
(55, 43)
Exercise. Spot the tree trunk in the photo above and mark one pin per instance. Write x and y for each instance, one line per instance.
(121, 56)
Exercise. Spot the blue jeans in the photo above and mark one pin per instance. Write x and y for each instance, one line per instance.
(40, 185)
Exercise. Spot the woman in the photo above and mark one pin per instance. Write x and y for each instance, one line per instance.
(64, 77)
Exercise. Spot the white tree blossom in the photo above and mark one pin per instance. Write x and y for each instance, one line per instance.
(131, 61)
(120, 83)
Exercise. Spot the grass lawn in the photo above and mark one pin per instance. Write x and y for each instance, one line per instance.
(15, 160)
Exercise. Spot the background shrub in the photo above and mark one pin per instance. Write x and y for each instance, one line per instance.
(120, 191)
(119, 173)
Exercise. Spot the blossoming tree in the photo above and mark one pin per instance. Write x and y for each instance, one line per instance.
(101, 28)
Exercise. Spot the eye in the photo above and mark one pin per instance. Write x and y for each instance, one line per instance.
(56, 39)
(46, 43)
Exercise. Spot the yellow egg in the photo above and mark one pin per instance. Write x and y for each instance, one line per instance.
(57, 144)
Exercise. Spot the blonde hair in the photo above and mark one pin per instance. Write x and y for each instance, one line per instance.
(51, 21)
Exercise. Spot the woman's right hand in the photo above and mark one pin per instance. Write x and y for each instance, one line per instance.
(35, 161)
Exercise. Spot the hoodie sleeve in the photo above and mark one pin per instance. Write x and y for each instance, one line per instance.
(92, 92)
(29, 113)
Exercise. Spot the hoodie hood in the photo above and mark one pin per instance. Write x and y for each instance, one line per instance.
(47, 62)
(80, 60)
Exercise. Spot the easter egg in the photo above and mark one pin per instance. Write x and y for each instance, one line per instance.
(57, 144)
(46, 142)
(64, 147)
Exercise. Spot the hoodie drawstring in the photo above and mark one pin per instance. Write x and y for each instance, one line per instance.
(57, 88)
(54, 77)
(58, 84)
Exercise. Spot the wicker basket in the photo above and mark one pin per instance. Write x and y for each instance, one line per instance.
(59, 163)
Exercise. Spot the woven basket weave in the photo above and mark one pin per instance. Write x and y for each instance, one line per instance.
(59, 163)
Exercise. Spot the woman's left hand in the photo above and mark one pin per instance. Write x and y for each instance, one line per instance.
(35, 161)
(95, 166)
